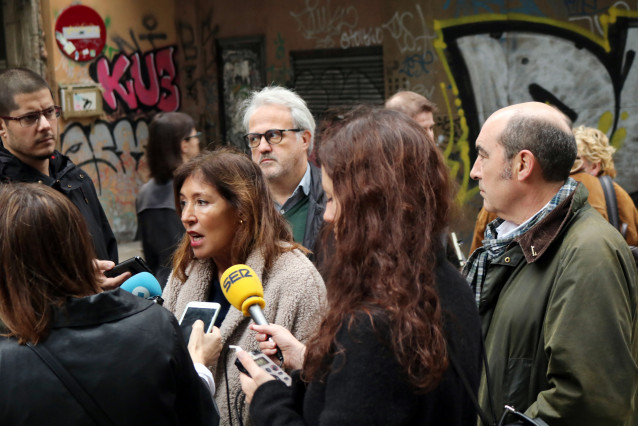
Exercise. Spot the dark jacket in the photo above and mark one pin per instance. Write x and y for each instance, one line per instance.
(558, 312)
(125, 351)
(76, 185)
(159, 226)
(366, 385)
(316, 207)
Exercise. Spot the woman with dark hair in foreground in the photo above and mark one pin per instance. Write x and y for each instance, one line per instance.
(398, 311)
(126, 352)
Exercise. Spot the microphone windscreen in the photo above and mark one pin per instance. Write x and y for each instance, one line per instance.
(242, 288)
(142, 284)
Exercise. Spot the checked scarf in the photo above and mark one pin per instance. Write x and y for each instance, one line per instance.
(476, 267)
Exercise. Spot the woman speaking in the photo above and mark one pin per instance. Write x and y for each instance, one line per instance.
(230, 218)
(399, 314)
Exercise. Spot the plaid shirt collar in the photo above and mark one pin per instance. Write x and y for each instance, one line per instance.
(476, 267)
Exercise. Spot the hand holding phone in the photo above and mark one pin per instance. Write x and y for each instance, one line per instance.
(204, 348)
(205, 311)
(265, 363)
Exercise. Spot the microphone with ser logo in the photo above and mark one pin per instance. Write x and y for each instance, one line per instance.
(244, 291)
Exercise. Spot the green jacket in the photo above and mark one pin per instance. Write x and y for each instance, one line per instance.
(558, 313)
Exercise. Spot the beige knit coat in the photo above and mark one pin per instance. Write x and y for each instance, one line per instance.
(294, 293)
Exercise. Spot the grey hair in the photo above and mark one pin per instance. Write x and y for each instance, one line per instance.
(554, 149)
(276, 95)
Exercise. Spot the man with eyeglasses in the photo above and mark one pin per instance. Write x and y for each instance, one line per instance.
(29, 132)
(280, 136)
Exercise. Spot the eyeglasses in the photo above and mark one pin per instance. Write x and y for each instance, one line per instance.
(196, 135)
(28, 120)
(273, 137)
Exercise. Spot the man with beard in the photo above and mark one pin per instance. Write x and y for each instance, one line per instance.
(281, 137)
(29, 132)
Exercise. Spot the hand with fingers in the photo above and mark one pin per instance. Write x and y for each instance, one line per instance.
(272, 336)
(257, 375)
(109, 283)
(204, 347)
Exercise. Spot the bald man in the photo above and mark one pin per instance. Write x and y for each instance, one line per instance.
(555, 283)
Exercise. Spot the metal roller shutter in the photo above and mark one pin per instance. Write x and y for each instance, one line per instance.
(337, 77)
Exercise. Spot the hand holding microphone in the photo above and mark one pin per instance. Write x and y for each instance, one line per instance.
(271, 337)
(244, 291)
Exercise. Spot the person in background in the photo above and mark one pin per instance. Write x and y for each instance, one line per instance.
(29, 132)
(554, 282)
(280, 134)
(416, 106)
(594, 159)
(125, 352)
(172, 140)
(422, 110)
(401, 325)
(230, 219)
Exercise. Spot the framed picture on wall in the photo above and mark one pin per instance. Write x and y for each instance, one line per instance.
(242, 69)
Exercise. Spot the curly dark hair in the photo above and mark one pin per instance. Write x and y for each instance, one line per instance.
(394, 195)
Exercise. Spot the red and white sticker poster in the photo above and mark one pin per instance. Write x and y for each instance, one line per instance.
(80, 33)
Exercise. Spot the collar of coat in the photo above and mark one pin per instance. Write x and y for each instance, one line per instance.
(12, 169)
(99, 308)
(535, 242)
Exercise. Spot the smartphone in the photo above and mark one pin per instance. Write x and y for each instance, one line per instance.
(265, 363)
(205, 311)
(134, 265)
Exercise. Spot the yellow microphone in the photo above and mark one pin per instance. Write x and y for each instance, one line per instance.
(244, 291)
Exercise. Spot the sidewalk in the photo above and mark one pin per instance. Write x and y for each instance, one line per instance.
(129, 249)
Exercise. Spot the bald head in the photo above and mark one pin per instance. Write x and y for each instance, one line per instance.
(410, 103)
(538, 111)
(541, 129)
(416, 106)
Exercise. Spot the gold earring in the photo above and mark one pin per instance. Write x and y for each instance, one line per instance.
(241, 221)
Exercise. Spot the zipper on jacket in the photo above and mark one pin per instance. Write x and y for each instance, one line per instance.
(86, 200)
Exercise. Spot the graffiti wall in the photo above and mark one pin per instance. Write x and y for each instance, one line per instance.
(137, 72)
(469, 57)
(474, 57)
(495, 60)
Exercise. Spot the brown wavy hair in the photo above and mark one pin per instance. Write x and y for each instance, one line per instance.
(240, 181)
(46, 256)
(394, 193)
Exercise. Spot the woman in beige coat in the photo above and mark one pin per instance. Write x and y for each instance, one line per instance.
(230, 218)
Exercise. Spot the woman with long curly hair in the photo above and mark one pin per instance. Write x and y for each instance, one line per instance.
(398, 312)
